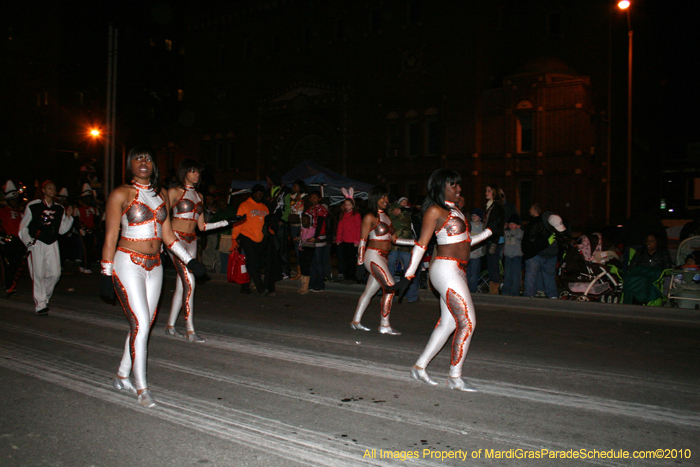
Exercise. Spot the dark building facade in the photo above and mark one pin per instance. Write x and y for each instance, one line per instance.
(385, 92)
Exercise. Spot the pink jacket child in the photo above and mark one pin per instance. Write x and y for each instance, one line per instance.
(349, 228)
(307, 231)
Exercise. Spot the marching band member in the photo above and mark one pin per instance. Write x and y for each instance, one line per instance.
(43, 221)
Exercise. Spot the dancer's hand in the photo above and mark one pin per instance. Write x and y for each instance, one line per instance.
(236, 219)
(197, 268)
(106, 287)
(401, 285)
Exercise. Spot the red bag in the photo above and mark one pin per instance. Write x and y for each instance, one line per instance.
(237, 271)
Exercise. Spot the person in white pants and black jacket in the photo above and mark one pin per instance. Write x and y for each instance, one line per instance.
(43, 221)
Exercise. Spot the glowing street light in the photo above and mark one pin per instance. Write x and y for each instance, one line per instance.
(624, 5)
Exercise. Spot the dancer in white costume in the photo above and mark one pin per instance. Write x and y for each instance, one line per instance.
(447, 274)
(377, 228)
(132, 266)
(187, 209)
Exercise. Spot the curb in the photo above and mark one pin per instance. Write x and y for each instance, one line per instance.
(637, 313)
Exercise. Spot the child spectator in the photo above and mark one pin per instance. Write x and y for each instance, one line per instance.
(347, 239)
(513, 253)
(474, 266)
(305, 251)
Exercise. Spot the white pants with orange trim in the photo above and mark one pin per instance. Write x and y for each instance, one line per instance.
(448, 276)
(138, 279)
(184, 284)
(45, 270)
(379, 277)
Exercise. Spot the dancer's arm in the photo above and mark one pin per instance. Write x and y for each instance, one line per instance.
(430, 220)
(367, 222)
(113, 214)
(174, 245)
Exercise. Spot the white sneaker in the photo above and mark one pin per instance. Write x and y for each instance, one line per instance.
(84, 270)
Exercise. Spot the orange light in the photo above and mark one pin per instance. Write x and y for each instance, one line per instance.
(95, 132)
(623, 5)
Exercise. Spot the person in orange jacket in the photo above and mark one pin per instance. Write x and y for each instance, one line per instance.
(250, 235)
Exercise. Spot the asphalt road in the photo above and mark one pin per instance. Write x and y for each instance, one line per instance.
(283, 381)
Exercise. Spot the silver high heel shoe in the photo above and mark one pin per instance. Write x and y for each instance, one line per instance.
(358, 327)
(171, 331)
(193, 337)
(421, 375)
(459, 384)
(146, 399)
(123, 384)
(389, 331)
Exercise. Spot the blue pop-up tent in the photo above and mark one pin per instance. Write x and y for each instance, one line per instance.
(314, 175)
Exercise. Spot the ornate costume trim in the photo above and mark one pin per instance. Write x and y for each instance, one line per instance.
(458, 307)
(148, 262)
(130, 315)
(383, 253)
(188, 237)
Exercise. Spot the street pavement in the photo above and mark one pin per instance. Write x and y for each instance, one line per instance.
(283, 381)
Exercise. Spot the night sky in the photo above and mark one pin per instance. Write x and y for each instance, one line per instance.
(666, 57)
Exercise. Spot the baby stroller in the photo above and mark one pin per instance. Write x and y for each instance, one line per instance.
(584, 274)
(684, 290)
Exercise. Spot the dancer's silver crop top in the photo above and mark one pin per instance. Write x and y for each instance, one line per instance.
(189, 207)
(143, 219)
(455, 229)
(382, 231)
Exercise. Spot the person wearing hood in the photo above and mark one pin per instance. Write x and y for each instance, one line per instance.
(540, 249)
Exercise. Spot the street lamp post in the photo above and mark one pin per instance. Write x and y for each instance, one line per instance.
(624, 5)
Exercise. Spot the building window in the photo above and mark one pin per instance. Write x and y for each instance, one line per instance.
(524, 201)
(248, 49)
(152, 42)
(180, 95)
(339, 29)
(277, 44)
(168, 45)
(524, 133)
(307, 37)
(230, 155)
(219, 154)
(415, 12)
(413, 137)
(182, 50)
(432, 136)
(693, 198)
(393, 139)
(554, 24)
